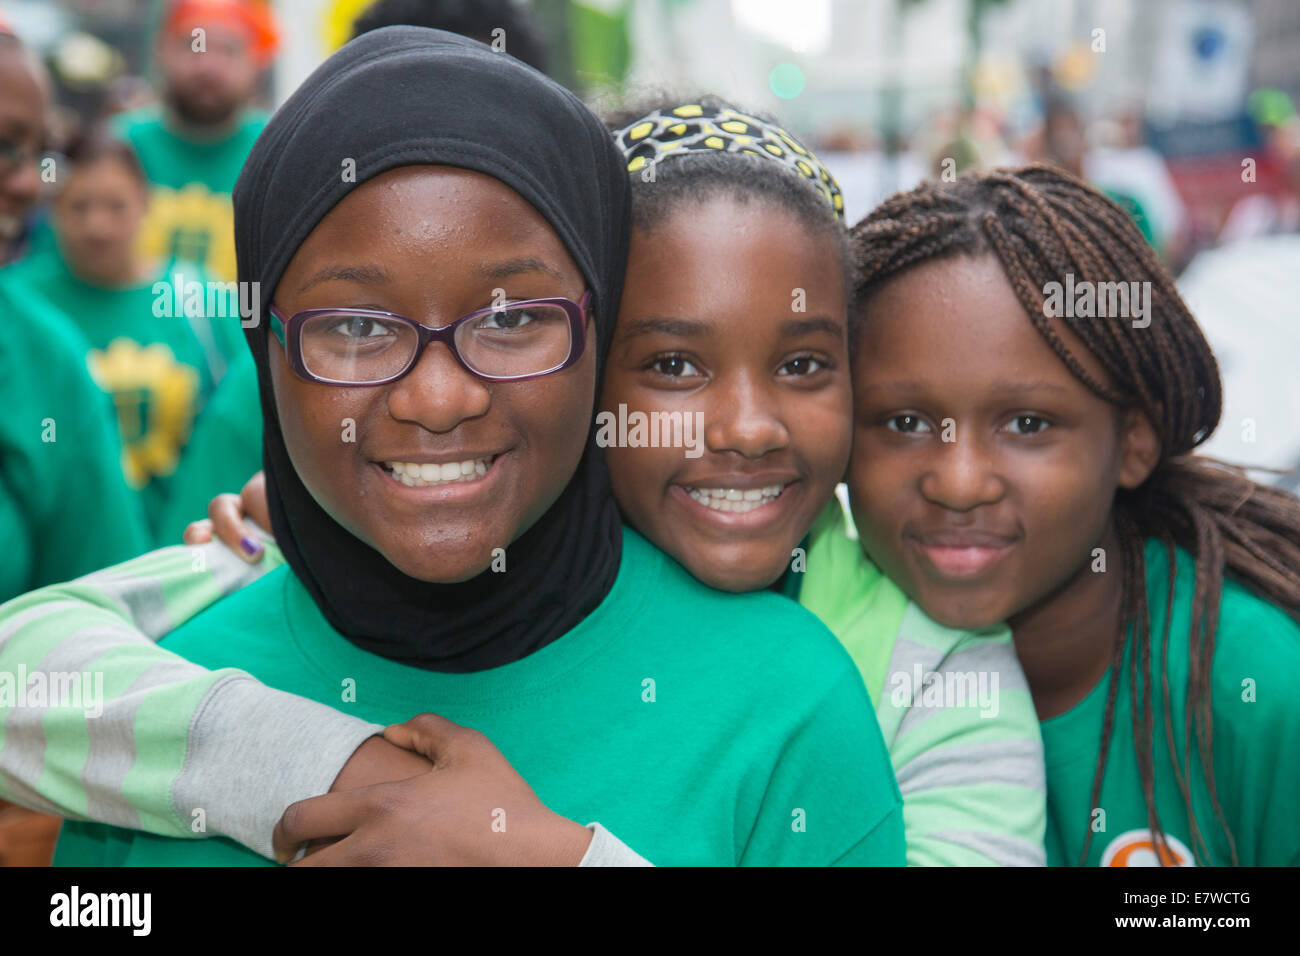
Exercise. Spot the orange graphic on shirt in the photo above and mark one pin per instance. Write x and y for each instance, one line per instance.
(1138, 848)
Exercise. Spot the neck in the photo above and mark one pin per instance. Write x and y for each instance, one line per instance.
(1066, 641)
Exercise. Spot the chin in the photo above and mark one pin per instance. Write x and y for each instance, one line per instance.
(436, 563)
(728, 576)
(960, 618)
(439, 572)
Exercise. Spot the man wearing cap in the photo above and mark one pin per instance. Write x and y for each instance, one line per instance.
(211, 55)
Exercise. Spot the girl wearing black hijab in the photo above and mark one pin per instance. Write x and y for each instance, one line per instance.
(441, 234)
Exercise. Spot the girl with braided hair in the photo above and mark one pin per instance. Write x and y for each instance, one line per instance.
(1025, 458)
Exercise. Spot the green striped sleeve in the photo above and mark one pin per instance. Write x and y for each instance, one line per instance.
(953, 706)
(966, 747)
(102, 724)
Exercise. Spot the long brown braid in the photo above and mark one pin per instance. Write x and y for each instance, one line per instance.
(1042, 224)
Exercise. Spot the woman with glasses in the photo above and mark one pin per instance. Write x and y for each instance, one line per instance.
(428, 375)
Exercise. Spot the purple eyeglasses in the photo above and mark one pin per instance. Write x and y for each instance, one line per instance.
(506, 343)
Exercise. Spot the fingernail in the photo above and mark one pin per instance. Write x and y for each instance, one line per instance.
(250, 546)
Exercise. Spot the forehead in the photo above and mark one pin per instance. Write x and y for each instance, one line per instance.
(22, 95)
(414, 205)
(727, 251)
(956, 322)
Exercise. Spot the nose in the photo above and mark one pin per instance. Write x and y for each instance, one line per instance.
(438, 393)
(746, 419)
(961, 476)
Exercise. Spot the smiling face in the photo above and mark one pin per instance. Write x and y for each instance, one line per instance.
(710, 323)
(433, 243)
(979, 528)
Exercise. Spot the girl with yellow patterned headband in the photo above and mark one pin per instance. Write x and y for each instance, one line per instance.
(734, 316)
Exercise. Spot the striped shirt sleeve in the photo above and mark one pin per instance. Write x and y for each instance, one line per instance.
(103, 724)
(966, 747)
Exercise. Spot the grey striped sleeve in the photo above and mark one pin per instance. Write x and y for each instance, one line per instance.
(254, 750)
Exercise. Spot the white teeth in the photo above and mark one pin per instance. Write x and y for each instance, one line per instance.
(735, 500)
(416, 475)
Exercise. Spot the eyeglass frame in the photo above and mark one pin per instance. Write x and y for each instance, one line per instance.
(291, 329)
(13, 158)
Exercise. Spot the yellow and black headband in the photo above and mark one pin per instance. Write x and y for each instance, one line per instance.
(695, 128)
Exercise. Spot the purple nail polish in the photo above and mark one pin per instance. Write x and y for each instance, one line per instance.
(250, 546)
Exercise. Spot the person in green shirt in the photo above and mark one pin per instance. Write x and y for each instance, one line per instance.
(1029, 388)
(56, 436)
(160, 334)
(56, 441)
(211, 55)
(393, 595)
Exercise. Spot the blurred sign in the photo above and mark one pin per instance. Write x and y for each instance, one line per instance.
(1237, 134)
(1202, 63)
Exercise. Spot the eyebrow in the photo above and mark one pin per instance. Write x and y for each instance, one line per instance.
(512, 267)
(377, 275)
(686, 328)
(366, 275)
(817, 323)
(660, 325)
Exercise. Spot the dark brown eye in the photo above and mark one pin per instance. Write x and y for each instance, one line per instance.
(674, 366)
(1028, 425)
(803, 365)
(908, 424)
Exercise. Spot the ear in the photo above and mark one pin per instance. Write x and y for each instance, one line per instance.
(1139, 449)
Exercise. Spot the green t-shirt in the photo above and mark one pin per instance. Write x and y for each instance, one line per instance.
(702, 728)
(1256, 741)
(158, 363)
(190, 213)
(224, 451)
(64, 509)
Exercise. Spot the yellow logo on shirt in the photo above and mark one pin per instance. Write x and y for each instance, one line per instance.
(1138, 848)
(155, 399)
(192, 224)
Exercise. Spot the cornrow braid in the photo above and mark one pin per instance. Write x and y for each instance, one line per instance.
(1043, 224)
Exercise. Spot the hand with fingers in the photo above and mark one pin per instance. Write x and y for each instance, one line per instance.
(226, 513)
(470, 809)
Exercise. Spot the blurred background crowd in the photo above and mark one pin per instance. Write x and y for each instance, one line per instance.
(1183, 111)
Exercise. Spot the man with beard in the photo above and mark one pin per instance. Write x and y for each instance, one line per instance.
(211, 54)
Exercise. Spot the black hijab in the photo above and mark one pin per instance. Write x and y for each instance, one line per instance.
(405, 96)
